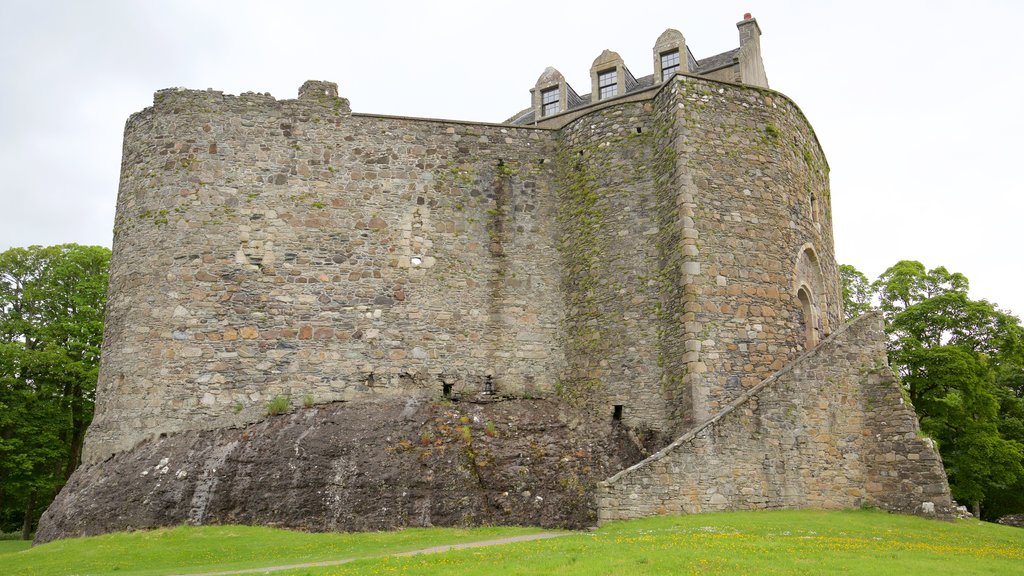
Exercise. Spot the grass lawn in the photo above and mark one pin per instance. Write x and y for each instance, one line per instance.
(756, 543)
(9, 546)
(776, 542)
(189, 549)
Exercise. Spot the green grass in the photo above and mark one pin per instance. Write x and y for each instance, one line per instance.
(11, 546)
(778, 542)
(756, 543)
(189, 549)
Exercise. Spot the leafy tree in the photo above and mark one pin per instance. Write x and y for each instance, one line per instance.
(857, 292)
(51, 326)
(961, 361)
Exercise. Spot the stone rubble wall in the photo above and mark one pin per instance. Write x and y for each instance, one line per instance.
(811, 436)
(646, 255)
(904, 471)
(270, 248)
(637, 257)
(747, 166)
(614, 273)
(683, 221)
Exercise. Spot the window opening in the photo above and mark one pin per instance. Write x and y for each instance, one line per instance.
(807, 321)
(669, 64)
(607, 84)
(446, 390)
(617, 412)
(549, 101)
(489, 385)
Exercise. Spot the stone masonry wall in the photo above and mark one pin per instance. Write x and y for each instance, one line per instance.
(806, 437)
(646, 255)
(752, 187)
(904, 470)
(267, 248)
(608, 165)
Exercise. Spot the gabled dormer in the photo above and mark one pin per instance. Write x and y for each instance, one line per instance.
(552, 94)
(671, 55)
(609, 77)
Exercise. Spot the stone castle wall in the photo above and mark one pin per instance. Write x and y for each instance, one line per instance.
(267, 248)
(829, 431)
(645, 255)
(753, 199)
(613, 242)
(664, 259)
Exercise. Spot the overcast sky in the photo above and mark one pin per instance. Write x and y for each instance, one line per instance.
(918, 105)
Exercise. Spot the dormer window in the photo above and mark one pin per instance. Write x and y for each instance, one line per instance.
(669, 64)
(550, 96)
(550, 104)
(671, 56)
(607, 83)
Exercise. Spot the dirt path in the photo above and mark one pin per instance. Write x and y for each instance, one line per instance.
(445, 548)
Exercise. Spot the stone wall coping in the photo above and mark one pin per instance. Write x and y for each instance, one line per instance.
(267, 99)
(742, 399)
(461, 122)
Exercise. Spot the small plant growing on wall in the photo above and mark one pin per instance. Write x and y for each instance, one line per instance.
(307, 401)
(279, 405)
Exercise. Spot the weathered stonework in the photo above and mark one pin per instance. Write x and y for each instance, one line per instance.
(831, 430)
(270, 248)
(646, 255)
(646, 261)
(356, 466)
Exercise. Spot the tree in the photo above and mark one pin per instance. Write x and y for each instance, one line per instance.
(857, 292)
(52, 301)
(961, 362)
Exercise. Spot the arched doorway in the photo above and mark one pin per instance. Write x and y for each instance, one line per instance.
(809, 290)
(808, 321)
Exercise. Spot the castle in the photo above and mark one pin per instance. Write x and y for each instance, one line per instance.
(652, 260)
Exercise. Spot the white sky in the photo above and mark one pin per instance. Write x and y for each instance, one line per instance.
(918, 105)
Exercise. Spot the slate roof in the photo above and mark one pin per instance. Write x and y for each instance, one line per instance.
(703, 66)
(717, 61)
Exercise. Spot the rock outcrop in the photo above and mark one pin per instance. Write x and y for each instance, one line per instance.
(356, 466)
